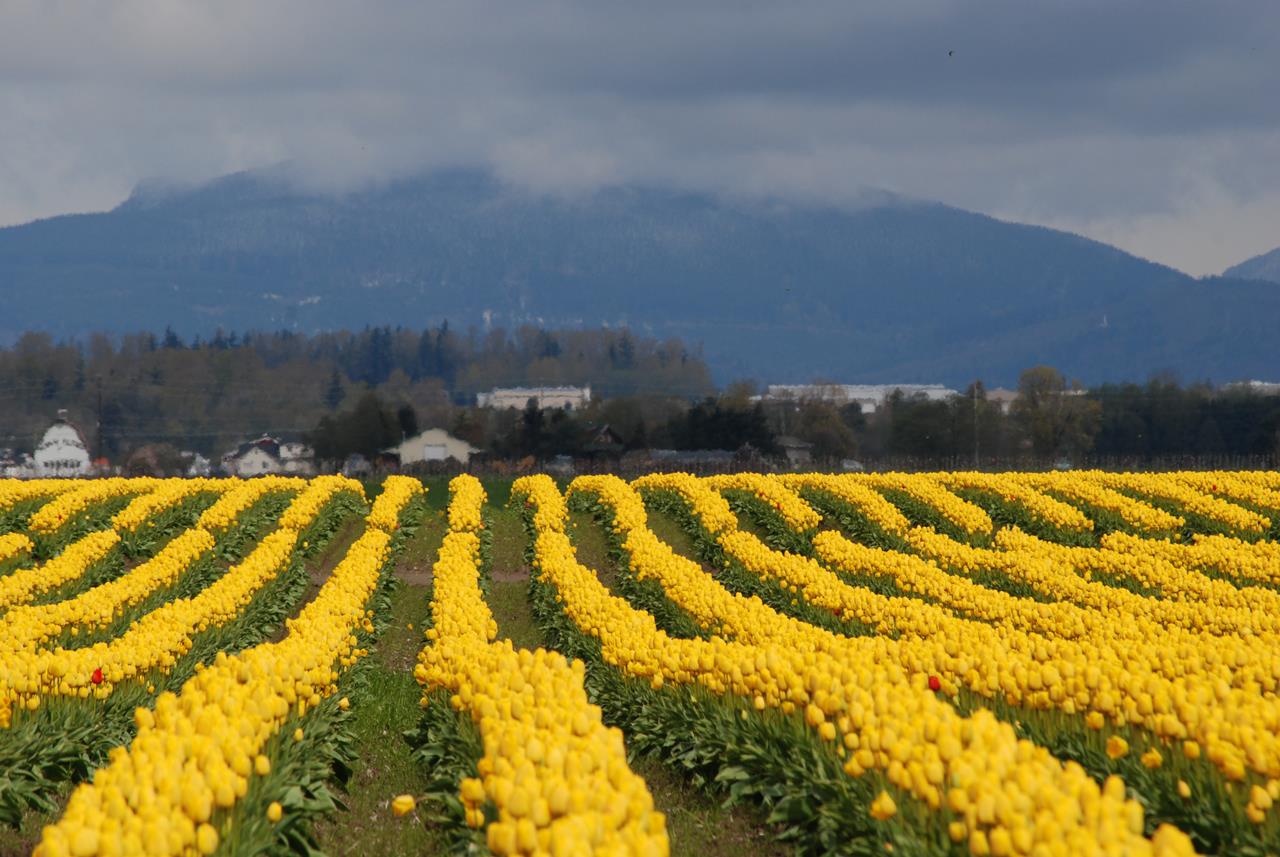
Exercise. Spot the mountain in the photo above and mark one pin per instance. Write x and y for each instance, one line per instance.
(895, 290)
(1264, 267)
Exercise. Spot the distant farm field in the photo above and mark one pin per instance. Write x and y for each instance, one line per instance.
(951, 663)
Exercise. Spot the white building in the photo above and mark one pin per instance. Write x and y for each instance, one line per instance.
(298, 459)
(253, 461)
(16, 465)
(196, 465)
(569, 398)
(1261, 388)
(62, 451)
(869, 396)
(432, 445)
(1003, 398)
(268, 455)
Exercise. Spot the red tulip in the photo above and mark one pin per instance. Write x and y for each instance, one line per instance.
(935, 683)
(96, 678)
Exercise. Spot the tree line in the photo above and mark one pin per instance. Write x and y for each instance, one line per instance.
(363, 391)
(207, 395)
(1051, 421)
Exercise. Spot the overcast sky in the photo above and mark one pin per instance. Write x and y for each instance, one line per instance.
(1153, 125)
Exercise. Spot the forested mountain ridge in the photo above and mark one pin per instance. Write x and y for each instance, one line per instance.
(894, 290)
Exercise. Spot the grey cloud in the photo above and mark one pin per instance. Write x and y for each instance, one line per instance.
(1075, 113)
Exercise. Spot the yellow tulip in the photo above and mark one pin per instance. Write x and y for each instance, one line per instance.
(883, 807)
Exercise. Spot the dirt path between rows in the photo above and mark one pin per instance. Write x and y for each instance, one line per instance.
(319, 568)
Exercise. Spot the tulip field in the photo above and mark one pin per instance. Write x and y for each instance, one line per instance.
(1066, 663)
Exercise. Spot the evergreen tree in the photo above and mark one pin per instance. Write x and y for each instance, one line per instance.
(334, 394)
(407, 418)
(532, 429)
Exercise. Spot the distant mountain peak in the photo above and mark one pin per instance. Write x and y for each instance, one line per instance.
(150, 192)
(1263, 267)
(244, 187)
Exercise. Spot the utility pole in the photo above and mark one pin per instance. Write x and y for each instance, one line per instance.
(975, 425)
(98, 427)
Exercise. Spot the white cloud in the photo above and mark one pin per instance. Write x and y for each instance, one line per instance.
(1201, 238)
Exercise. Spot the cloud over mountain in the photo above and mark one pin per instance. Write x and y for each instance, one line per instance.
(1146, 123)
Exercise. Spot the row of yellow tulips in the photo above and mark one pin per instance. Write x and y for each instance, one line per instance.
(1010, 490)
(24, 584)
(1207, 504)
(1236, 486)
(1246, 562)
(1064, 574)
(555, 774)
(65, 505)
(970, 519)
(798, 516)
(1180, 686)
(1146, 562)
(29, 626)
(166, 495)
(1222, 498)
(1002, 795)
(858, 493)
(1186, 669)
(159, 638)
(13, 545)
(170, 791)
(1078, 487)
(16, 491)
(240, 495)
(153, 498)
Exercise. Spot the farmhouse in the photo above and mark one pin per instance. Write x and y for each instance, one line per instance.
(432, 445)
(62, 451)
(602, 442)
(268, 455)
(569, 398)
(799, 452)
